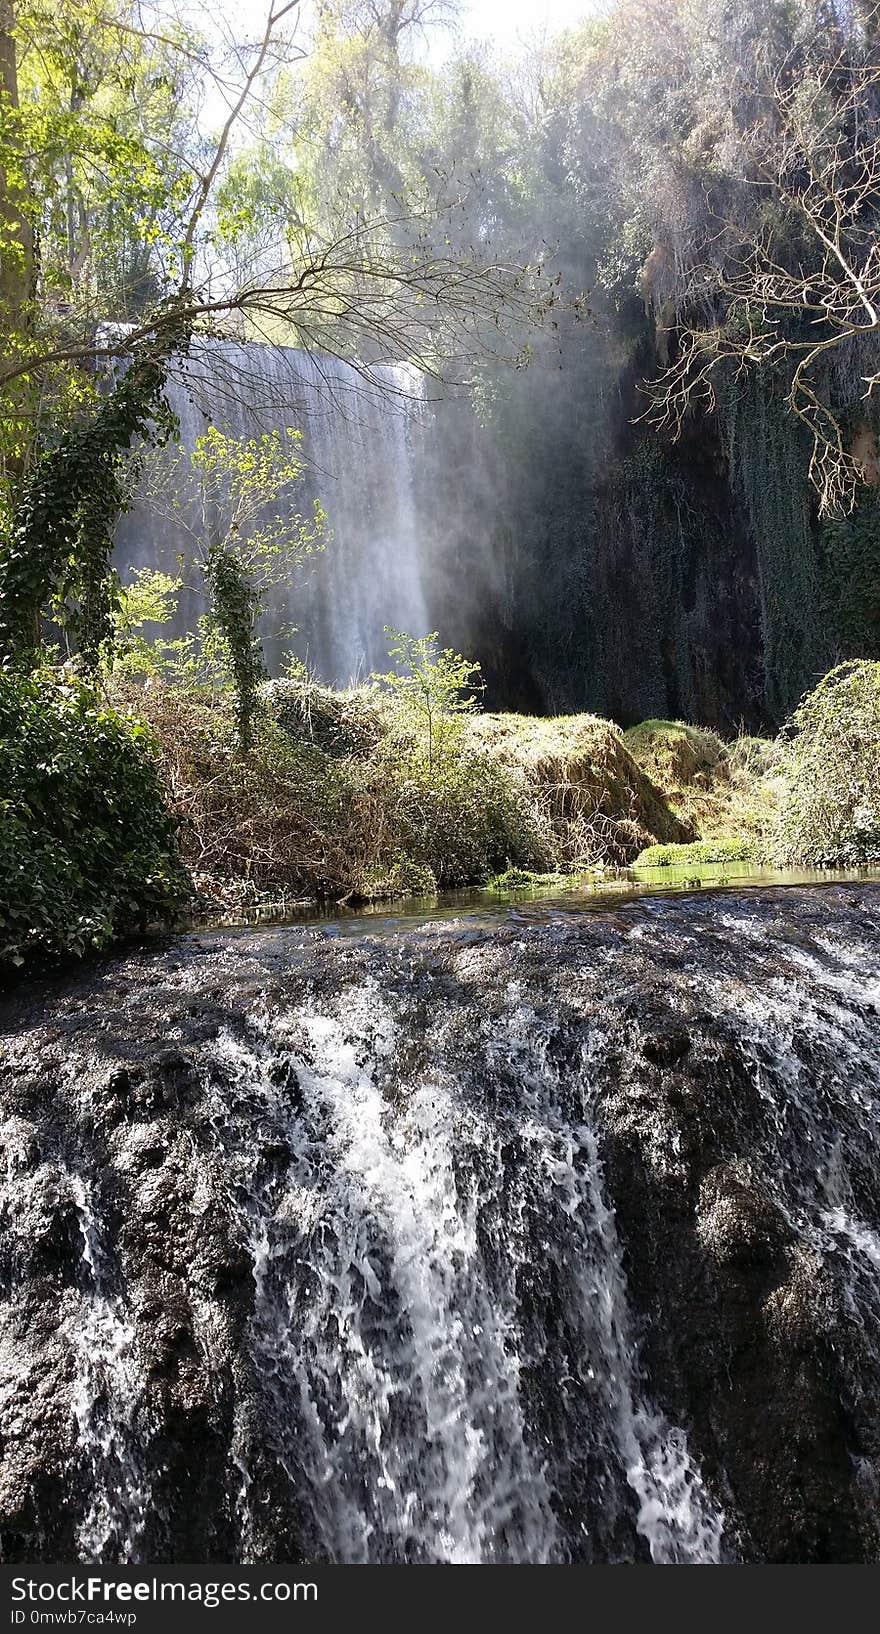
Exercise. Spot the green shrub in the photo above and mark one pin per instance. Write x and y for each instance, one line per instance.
(432, 690)
(831, 806)
(463, 820)
(87, 847)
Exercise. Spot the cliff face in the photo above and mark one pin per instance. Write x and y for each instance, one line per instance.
(590, 563)
(554, 1241)
(594, 564)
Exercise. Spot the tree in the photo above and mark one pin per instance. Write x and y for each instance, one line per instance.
(434, 690)
(368, 285)
(800, 292)
(16, 246)
(232, 496)
(350, 274)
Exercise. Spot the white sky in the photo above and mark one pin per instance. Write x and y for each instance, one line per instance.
(509, 21)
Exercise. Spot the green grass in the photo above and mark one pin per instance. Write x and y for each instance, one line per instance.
(698, 855)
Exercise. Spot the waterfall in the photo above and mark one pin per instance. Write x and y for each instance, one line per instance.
(398, 1336)
(549, 1240)
(362, 440)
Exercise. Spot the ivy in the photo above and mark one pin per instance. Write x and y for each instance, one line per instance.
(234, 607)
(851, 574)
(87, 846)
(55, 554)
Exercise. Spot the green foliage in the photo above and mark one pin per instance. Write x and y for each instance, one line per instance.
(697, 855)
(831, 807)
(149, 599)
(433, 690)
(98, 145)
(769, 458)
(460, 818)
(56, 550)
(234, 606)
(851, 578)
(238, 480)
(223, 494)
(87, 846)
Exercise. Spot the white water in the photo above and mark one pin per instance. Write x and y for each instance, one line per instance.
(388, 1267)
(385, 1249)
(362, 442)
(107, 1393)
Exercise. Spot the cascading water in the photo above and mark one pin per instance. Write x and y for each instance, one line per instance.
(362, 441)
(399, 1338)
(545, 1241)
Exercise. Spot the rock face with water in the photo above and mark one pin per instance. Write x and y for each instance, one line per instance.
(556, 1239)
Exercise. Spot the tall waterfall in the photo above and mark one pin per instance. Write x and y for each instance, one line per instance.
(362, 439)
(549, 1240)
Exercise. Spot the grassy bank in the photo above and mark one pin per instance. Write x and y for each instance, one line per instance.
(339, 799)
(117, 809)
(345, 796)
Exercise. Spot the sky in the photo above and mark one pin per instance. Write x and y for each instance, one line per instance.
(509, 21)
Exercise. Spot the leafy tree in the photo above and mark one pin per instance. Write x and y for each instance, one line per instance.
(233, 497)
(168, 240)
(433, 690)
(147, 603)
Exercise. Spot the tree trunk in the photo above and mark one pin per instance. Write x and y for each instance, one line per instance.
(16, 264)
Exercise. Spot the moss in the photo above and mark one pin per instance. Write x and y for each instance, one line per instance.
(698, 855)
(723, 791)
(524, 879)
(589, 796)
(678, 755)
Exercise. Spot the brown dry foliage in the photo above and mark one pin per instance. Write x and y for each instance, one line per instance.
(597, 803)
(332, 803)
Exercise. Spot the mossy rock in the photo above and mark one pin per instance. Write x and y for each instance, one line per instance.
(597, 802)
(701, 854)
(678, 756)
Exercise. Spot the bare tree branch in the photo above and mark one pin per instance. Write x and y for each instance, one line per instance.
(816, 155)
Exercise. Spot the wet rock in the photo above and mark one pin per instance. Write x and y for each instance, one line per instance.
(666, 1049)
(544, 1241)
(737, 1223)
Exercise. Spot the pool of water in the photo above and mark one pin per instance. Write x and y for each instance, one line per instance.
(529, 902)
